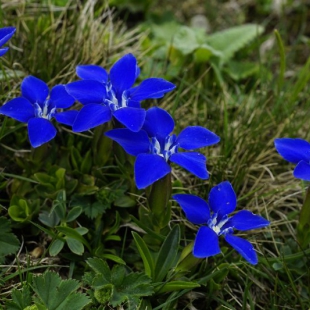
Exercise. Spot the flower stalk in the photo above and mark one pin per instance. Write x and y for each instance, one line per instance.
(158, 202)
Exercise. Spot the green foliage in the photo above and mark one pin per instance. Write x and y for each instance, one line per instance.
(53, 293)
(9, 244)
(116, 287)
(21, 299)
(22, 210)
(303, 227)
(176, 42)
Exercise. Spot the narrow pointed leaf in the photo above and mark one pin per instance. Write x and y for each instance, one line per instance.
(145, 254)
(167, 255)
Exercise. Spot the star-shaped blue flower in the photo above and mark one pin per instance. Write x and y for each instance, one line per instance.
(155, 147)
(215, 221)
(37, 107)
(104, 96)
(296, 151)
(6, 34)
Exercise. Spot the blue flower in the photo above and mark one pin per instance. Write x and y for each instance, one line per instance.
(37, 107)
(296, 151)
(222, 201)
(5, 35)
(104, 96)
(155, 147)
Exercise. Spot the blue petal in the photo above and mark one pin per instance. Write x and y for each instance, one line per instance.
(302, 171)
(293, 150)
(134, 143)
(19, 108)
(92, 72)
(133, 104)
(40, 131)
(193, 162)
(90, 116)
(123, 73)
(3, 51)
(60, 98)
(131, 118)
(206, 243)
(194, 137)
(243, 247)
(6, 34)
(149, 168)
(34, 89)
(67, 117)
(246, 220)
(158, 123)
(222, 198)
(150, 89)
(87, 91)
(196, 209)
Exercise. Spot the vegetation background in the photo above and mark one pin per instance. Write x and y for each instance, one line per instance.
(242, 70)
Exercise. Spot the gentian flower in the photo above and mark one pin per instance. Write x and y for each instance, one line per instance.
(215, 221)
(155, 148)
(104, 96)
(37, 107)
(296, 151)
(6, 34)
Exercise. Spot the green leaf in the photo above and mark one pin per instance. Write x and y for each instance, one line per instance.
(19, 212)
(56, 246)
(302, 81)
(72, 233)
(167, 254)
(100, 267)
(125, 202)
(175, 286)
(115, 286)
(75, 246)
(204, 52)
(282, 60)
(54, 293)
(9, 244)
(113, 258)
(134, 286)
(20, 299)
(185, 40)
(49, 219)
(303, 226)
(74, 214)
(241, 70)
(145, 254)
(229, 41)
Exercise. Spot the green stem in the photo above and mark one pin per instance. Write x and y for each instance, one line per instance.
(158, 201)
(303, 227)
